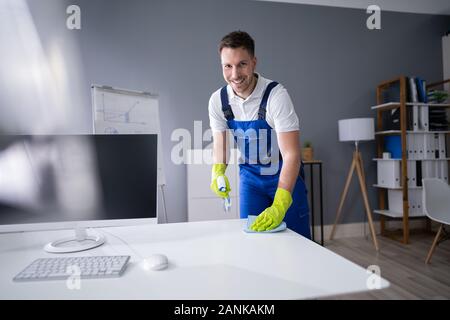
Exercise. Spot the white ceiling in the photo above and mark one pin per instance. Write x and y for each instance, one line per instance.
(415, 6)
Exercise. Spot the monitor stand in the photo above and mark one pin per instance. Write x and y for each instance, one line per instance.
(82, 241)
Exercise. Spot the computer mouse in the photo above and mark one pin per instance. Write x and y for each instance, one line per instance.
(155, 262)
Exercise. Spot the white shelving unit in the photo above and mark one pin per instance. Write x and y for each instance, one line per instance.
(402, 191)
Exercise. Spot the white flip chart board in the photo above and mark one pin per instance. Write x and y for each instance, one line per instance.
(121, 111)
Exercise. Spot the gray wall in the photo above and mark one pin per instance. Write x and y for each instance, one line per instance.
(326, 58)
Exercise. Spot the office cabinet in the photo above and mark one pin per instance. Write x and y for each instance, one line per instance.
(203, 204)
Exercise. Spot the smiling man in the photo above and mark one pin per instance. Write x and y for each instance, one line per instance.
(264, 124)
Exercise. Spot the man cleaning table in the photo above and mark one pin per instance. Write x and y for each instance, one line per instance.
(260, 115)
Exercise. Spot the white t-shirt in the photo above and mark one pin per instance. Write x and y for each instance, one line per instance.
(280, 113)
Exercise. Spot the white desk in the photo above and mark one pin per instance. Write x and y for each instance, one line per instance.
(208, 260)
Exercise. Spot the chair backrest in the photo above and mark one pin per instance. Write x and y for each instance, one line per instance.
(436, 200)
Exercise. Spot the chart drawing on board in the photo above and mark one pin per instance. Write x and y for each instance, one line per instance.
(113, 111)
(121, 111)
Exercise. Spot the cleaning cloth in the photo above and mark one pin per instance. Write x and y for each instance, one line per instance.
(250, 220)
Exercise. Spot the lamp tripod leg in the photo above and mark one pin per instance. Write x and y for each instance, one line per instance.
(362, 184)
(344, 194)
(361, 165)
(364, 180)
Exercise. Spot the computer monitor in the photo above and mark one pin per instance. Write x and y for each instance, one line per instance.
(77, 181)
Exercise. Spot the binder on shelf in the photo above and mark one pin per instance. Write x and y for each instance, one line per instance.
(419, 173)
(442, 147)
(388, 173)
(436, 145)
(421, 90)
(409, 119)
(420, 145)
(428, 169)
(412, 171)
(413, 97)
(415, 118)
(423, 118)
(428, 146)
(410, 146)
(416, 143)
(437, 169)
(412, 201)
(412, 90)
(415, 200)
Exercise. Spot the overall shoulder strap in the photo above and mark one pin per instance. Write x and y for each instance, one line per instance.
(263, 105)
(226, 108)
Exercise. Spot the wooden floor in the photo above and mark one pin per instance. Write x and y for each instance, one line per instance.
(402, 265)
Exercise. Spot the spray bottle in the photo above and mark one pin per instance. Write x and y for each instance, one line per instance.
(222, 188)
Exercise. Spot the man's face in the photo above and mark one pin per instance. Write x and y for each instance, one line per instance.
(238, 66)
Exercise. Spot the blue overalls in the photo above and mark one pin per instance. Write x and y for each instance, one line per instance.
(257, 188)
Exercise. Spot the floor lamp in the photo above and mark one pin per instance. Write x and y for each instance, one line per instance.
(356, 130)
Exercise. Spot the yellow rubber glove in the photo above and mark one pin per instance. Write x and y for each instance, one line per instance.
(272, 217)
(218, 170)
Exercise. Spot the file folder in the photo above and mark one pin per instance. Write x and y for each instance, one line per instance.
(388, 173)
(412, 180)
(421, 90)
(429, 150)
(415, 118)
(419, 139)
(423, 117)
(415, 201)
(412, 200)
(437, 169)
(410, 146)
(413, 97)
(419, 173)
(436, 146)
(442, 146)
(428, 169)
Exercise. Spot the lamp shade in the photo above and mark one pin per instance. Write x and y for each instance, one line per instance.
(356, 129)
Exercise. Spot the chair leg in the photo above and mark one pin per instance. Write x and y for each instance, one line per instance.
(433, 246)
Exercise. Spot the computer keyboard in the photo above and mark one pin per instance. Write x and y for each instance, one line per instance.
(61, 268)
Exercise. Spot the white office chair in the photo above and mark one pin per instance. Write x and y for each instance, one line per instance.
(436, 204)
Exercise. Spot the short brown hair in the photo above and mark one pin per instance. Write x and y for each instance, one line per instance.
(238, 39)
